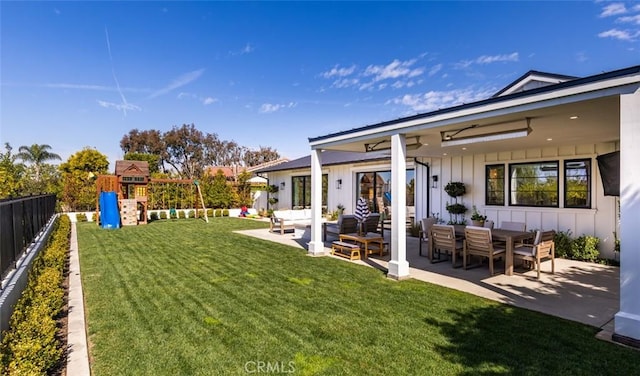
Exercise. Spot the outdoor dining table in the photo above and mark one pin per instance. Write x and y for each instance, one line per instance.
(510, 237)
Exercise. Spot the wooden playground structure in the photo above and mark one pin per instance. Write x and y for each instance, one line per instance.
(135, 191)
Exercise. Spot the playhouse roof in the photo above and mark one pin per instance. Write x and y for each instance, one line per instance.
(132, 168)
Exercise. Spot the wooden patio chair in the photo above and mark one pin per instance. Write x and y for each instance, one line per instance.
(478, 242)
(542, 248)
(425, 230)
(443, 240)
(513, 226)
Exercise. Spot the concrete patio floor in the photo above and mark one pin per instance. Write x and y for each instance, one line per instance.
(578, 291)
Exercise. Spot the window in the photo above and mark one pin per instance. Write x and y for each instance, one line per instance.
(301, 191)
(494, 177)
(577, 183)
(375, 187)
(533, 184)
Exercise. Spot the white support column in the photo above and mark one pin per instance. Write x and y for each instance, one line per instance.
(316, 246)
(627, 320)
(398, 266)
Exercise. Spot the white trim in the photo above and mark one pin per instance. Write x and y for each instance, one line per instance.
(543, 100)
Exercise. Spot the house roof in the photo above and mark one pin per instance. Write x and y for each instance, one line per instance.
(533, 79)
(470, 107)
(329, 157)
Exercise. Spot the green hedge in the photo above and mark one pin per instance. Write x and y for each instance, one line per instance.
(30, 346)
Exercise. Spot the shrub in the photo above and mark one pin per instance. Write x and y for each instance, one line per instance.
(94, 217)
(562, 240)
(30, 346)
(218, 213)
(225, 212)
(181, 214)
(209, 212)
(81, 217)
(154, 216)
(191, 214)
(585, 248)
(163, 215)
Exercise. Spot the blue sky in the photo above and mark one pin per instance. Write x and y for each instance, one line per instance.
(82, 74)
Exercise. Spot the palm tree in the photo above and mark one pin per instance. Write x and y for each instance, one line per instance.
(37, 155)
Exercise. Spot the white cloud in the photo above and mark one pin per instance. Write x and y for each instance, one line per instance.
(394, 69)
(337, 71)
(488, 59)
(267, 108)
(178, 82)
(617, 34)
(345, 82)
(124, 107)
(613, 9)
(630, 19)
(434, 100)
(497, 58)
(435, 69)
(208, 100)
(581, 57)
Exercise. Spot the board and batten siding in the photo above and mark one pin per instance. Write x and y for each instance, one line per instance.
(601, 220)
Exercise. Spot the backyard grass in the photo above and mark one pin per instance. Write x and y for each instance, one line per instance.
(184, 297)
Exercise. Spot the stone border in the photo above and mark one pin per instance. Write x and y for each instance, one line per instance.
(77, 352)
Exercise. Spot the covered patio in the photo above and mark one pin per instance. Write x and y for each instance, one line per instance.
(539, 117)
(584, 292)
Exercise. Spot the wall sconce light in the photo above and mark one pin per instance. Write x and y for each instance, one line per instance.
(282, 185)
(434, 181)
(339, 184)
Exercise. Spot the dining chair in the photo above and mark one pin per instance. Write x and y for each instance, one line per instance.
(513, 226)
(542, 248)
(478, 242)
(444, 240)
(488, 224)
(425, 230)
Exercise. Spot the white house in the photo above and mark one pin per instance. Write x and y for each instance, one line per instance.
(527, 154)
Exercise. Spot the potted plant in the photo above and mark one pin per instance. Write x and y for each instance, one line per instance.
(455, 189)
(477, 219)
(457, 209)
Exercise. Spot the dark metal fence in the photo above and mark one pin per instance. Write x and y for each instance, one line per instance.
(21, 219)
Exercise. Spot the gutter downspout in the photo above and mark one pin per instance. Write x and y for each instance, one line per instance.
(427, 199)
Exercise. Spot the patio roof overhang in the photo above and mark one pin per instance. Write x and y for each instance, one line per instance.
(559, 115)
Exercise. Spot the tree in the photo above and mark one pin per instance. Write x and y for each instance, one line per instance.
(219, 193)
(152, 159)
(145, 142)
(37, 155)
(11, 173)
(78, 176)
(263, 155)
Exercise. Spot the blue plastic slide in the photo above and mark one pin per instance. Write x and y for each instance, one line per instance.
(109, 214)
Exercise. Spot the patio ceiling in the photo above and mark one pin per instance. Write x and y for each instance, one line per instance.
(598, 120)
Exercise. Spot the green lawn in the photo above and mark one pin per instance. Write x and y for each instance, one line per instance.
(184, 297)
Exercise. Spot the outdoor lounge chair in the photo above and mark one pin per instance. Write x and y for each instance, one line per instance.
(346, 224)
(478, 242)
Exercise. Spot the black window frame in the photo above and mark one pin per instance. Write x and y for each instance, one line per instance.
(305, 178)
(487, 189)
(512, 166)
(589, 176)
